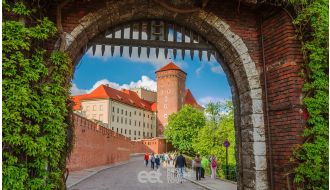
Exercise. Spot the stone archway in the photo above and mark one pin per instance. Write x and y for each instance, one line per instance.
(236, 62)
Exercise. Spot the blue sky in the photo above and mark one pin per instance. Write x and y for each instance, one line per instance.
(206, 80)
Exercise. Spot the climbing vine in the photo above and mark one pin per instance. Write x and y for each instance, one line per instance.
(312, 156)
(35, 97)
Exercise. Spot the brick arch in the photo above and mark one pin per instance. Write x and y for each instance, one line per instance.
(235, 60)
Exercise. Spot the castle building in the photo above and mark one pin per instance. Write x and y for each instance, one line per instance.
(138, 113)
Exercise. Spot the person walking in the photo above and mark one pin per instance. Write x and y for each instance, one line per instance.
(204, 164)
(213, 167)
(152, 161)
(157, 162)
(179, 165)
(146, 159)
(197, 164)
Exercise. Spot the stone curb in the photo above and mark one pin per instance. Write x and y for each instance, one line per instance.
(200, 184)
(93, 173)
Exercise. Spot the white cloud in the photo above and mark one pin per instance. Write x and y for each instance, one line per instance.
(217, 69)
(207, 99)
(144, 82)
(76, 91)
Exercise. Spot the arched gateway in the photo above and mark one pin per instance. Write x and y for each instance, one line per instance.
(236, 38)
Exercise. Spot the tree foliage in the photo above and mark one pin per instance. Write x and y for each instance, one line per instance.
(183, 127)
(211, 137)
(35, 93)
(312, 22)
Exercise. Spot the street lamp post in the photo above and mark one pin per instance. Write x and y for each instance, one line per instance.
(226, 144)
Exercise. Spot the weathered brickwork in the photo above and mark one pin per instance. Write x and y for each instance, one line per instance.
(235, 32)
(95, 145)
(283, 59)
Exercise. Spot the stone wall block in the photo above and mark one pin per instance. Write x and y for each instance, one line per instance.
(260, 163)
(259, 148)
(221, 26)
(261, 180)
(249, 180)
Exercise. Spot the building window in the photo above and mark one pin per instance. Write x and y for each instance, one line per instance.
(135, 123)
(125, 120)
(139, 123)
(148, 115)
(125, 131)
(165, 115)
(113, 109)
(147, 125)
(144, 124)
(117, 110)
(134, 112)
(126, 112)
(134, 132)
(165, 106)
(130, 114)
(168, 91)
(121, 120)
(122, 111)
(121, 131)
(101, 107)
(113, 118)
(117, 130)
(134, 138)
(117, 119)
(94, 108)
(112, 128)
(130, 122)
(147, 134)
(139, 113)
(101, 117)
(143, 133)
(94, 116)
(139, 133)
(129, 132)
(144, 115)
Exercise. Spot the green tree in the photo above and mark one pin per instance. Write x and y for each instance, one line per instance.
(211, 137)
(183, 127)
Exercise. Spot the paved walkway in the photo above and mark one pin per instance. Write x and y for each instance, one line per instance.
(134, 175)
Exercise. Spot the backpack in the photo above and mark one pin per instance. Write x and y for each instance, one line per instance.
(214, 163)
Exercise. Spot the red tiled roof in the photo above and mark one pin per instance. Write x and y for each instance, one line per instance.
(105, 92)
(154, 107)
(189, 99)
(170, 66)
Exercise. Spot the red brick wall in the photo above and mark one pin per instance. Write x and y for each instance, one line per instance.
(95, 145)
(158, 145)
(283, 60)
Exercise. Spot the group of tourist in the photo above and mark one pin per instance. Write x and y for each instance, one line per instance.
(200, 164)
(154, 160)
(179, 162)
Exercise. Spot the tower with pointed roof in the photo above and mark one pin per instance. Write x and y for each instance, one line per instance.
(171, 81)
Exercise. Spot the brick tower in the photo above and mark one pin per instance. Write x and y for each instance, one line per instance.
(170, 93)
